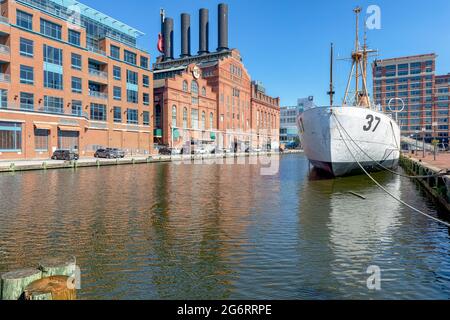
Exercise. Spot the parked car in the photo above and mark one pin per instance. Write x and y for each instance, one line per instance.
(165, 151)
(117, 152)
(66, 155)
(200, 150)
(105, 153)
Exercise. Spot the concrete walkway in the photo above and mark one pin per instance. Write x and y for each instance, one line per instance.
(45, 164)
(442, 160)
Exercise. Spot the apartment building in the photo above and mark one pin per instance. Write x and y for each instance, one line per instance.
(288, 119)
(412, 81)
(71, 78)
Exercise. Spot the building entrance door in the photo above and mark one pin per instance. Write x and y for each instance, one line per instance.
(68, 140)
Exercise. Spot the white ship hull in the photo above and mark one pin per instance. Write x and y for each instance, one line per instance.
(333, 138)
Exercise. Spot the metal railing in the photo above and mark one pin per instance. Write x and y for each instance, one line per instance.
(99, 95)
(95, 50)
(97, 73)
(4, 49)
(4, 77)
(48, 110)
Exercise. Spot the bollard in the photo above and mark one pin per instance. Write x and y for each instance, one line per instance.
(12, 167)
(44, 165)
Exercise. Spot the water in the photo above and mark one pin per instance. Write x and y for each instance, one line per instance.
(169, 231)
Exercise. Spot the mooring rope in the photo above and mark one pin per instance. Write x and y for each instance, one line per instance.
(383, 188)
(440, 173)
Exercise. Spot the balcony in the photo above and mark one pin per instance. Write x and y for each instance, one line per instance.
(99, 95)
(4, 49)
(45, 110)
(95, 50)
(99, 74)
(4, 20)
(5, 78)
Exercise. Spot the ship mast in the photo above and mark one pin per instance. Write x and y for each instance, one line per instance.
(331, 92)
(360, 58)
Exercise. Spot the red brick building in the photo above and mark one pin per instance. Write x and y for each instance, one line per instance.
(209, 98)
(71, 80)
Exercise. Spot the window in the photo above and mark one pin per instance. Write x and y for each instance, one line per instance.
(51, 29)
(203, 120)
(10, 136)
(53, 80)
(117, 73)
(52, 55)
(203, 91)
(76, 85)
(117, 93)
(146, 118)
(26, 101)
(132, 96)
(117, 114)
(3, 98)
(146, 98)
(74, 37)
(174, 116)
(146, 81)
(76, 61)
(211, 120)
(132, 77)
(26, 47)
(53, 104)
(194, 118)
(144, 62)
(115, 52)
(76, 108)
(194, 87)
(132, 116)
(41, 140)
(185, 118)
(26, 75)
(185, 86)
(98, 112)
(24, 20)
(130, 57)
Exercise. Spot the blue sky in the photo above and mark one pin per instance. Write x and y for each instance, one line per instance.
(285, 43)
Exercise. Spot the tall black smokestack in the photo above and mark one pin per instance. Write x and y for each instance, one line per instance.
(203, 32)
(185, 35)
(168, 38)
(223, 27)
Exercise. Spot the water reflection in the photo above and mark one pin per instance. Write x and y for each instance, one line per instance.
(174, 231)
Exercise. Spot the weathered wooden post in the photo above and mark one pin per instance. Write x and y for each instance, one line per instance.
(58, 267)
(51, 288)
(14, 283)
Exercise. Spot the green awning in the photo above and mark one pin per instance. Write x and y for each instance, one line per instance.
(213, 136)
(157, 133)
(176, 134)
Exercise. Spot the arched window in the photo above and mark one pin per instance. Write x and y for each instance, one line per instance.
(211, 121)
(174, 116)
(203, 120)
(203, 91)
(185, 86)
(185, 118)
(194, 87)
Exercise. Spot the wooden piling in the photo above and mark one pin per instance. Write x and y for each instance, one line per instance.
(58, 267)
(14, 283)
(51, 288)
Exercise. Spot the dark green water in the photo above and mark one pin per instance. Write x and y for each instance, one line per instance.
(170, 231)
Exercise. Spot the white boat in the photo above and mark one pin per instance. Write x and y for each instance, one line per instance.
(336, 139)
(342, 139)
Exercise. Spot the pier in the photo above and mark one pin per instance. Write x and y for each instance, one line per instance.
(437, 185)
(47, 164)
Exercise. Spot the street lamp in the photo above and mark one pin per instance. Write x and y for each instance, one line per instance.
(434, 125)
(423, 141)
(417, 137)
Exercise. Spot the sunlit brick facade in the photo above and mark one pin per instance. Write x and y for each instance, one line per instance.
(71, 81)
